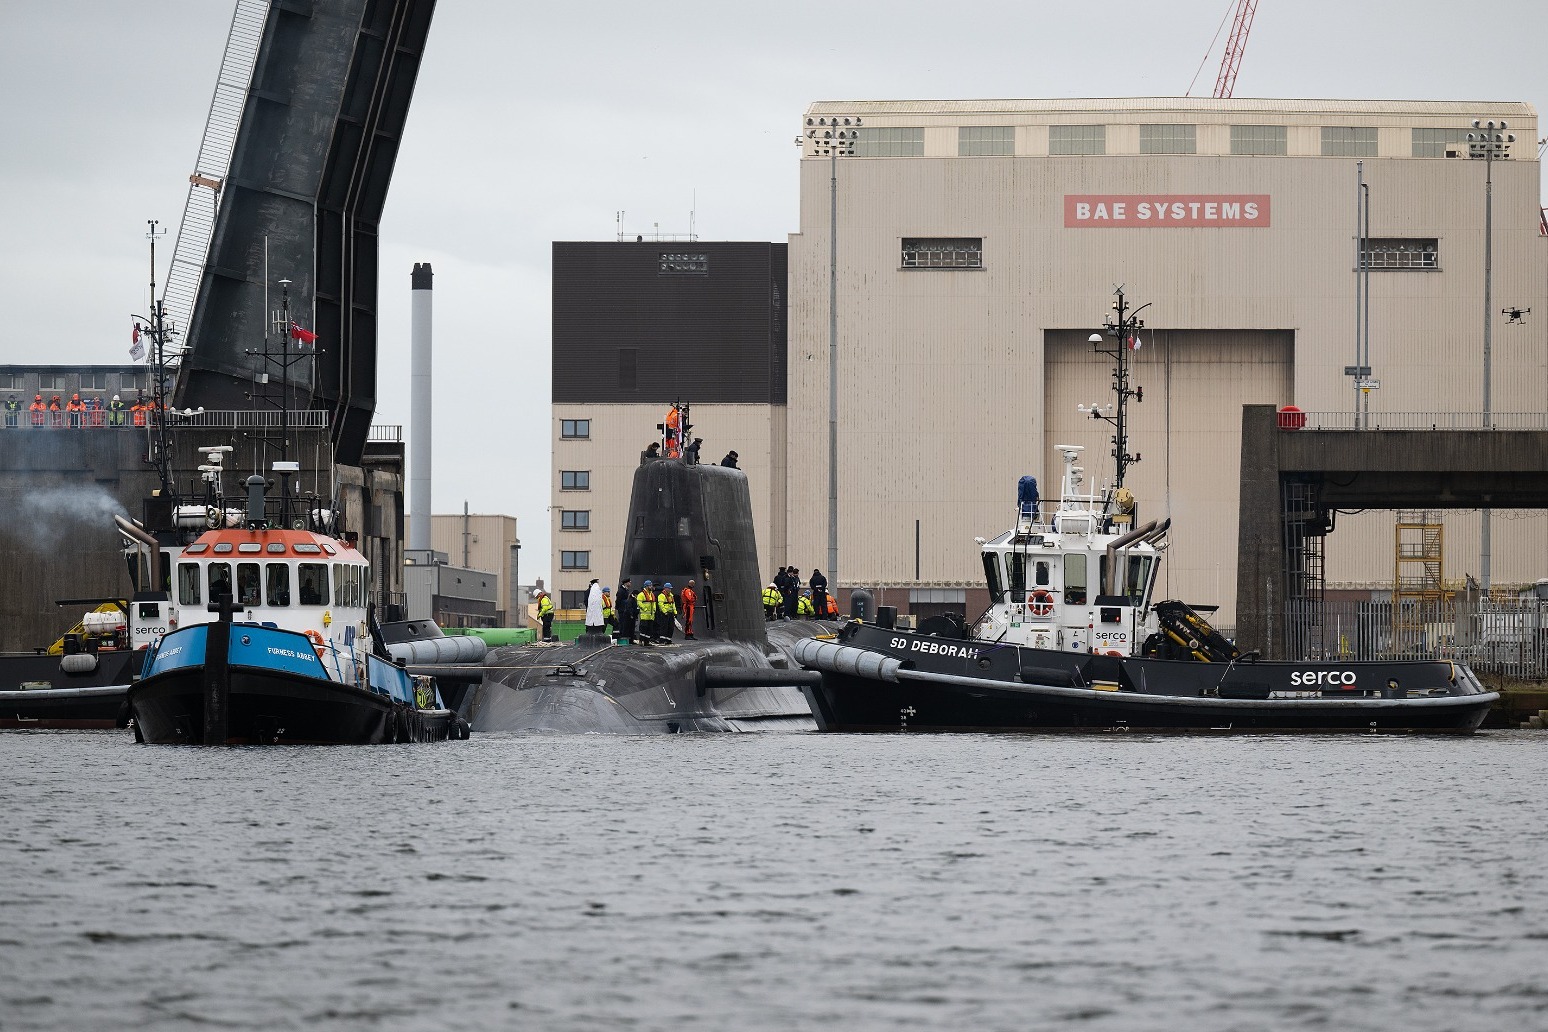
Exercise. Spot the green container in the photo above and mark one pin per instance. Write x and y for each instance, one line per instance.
(496, 636)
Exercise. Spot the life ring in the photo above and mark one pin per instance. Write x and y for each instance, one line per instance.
(1042, 602)
(316, 639)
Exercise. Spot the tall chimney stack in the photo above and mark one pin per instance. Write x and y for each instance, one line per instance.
(419, 410)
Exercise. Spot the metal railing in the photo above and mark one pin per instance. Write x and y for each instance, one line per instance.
(385, 433)
(1494, 636)
(214, 163)
(1426, 421)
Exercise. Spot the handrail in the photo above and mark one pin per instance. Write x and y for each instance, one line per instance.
(1424, 421)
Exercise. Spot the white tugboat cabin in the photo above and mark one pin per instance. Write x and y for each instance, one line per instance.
(1076, 579)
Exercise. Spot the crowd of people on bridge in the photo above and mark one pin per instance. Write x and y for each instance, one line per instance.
(78, 413)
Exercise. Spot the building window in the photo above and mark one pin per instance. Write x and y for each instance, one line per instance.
(10, 381)
(1258, 139)
(684, 264)
(628, 369)
(575, 560)
(94, 381)
(574, 429)
(1167, 139)
(943, 253)
(1348, 141)
(1077, 139)
(975, 140)
(575, 519)
(898, 142)
(1433, 143)
(573, 599)
(1394, 253)
(53, 382)
(575, 480)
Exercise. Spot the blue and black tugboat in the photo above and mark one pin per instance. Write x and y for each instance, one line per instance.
(267, 636)
(1073, 640)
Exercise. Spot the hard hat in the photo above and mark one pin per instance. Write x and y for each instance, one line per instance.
(649, 583)
(115, 397)
(668, 584)
(607, 589)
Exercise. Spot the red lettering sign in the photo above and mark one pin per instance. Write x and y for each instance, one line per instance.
(1163, 211)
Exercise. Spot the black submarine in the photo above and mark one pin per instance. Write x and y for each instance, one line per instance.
(685, 521)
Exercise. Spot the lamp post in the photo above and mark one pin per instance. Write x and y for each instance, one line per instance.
(833, 137)
(1488, 141)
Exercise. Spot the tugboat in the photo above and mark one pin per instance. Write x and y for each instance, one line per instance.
(80, 682)
(268, 636)
(261, 631)
(1073, 639)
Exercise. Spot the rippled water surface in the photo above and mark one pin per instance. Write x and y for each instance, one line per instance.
(777, 882)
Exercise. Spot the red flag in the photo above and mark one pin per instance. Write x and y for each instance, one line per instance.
(304, 336)
(135, 337)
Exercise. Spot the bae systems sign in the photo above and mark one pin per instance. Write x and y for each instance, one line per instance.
(1155, 211)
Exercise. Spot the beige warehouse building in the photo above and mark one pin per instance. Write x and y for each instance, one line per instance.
(979, 245)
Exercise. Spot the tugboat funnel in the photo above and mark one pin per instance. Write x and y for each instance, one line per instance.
(255, 486)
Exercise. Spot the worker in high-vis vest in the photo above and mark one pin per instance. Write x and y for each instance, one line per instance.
(666, 613)
(772, 600)
(647, 600)
(804, 608)
(545, 608)
(607, 608)
(115, 412)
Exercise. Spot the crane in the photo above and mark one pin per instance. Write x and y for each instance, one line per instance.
(1232, 60)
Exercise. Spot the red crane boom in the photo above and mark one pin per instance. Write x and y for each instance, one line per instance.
(1232, 60)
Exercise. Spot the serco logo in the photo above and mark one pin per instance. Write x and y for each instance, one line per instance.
(1323, 677)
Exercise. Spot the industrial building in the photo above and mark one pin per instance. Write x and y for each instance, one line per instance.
(979, 245)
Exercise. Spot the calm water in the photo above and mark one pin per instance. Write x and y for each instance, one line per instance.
(778, 882)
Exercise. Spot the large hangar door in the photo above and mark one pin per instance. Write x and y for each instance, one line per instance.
(1187, 433)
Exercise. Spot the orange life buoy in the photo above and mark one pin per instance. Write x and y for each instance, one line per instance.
(316, 639)
(1042, 602)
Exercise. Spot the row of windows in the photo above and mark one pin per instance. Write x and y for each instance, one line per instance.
(269, 584)
(73, 382)
(1401, 254)
(980, 140)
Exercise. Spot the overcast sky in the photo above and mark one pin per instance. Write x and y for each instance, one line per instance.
(540, 122)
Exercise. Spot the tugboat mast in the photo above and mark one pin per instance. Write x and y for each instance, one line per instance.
(159, 423)
(1122, 333)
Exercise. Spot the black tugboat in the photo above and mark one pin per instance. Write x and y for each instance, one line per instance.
(1073, 640)
(81, 681)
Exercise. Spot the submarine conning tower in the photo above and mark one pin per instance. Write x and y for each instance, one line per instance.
(696, 522)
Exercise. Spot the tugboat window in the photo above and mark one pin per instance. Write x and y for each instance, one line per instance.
(220, 580)
(247, 584)
(1075, 580)
(1139, 576)
(1041, 573)
(314, 584)
(992, 576)
(188, 584)
(1016, 573)
(279, 584)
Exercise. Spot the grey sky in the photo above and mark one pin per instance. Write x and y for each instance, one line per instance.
(540, 122)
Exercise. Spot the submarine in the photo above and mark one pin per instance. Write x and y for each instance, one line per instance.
(685, 521)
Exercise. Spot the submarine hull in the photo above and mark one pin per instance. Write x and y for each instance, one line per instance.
(595, 686)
